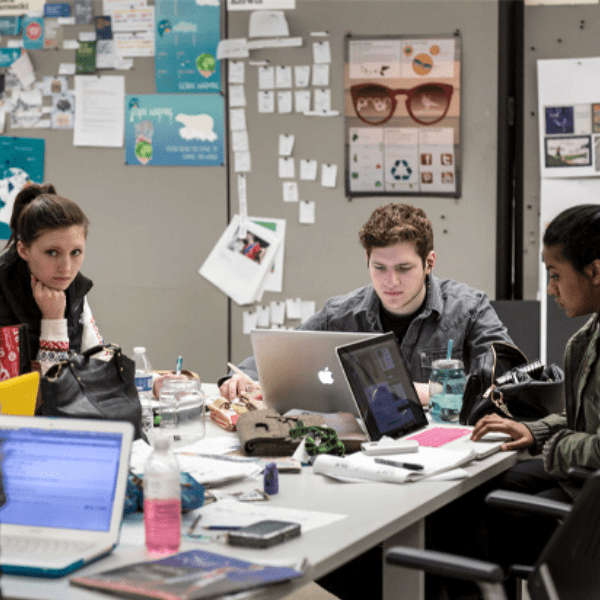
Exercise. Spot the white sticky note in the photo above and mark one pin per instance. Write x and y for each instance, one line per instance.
(266, 78)
(286, 144)
(241, 161)
(308, 169)
(283, 77)
(250, 319)
(237, 97)
(323, 100)
(284, 102)
(242, 201)
(293, 308)
(290, 191)
(239, 141)
(302, 75)
(67, 68)
(307, 212)
(266, 102)
(233, 48)
(237, 119)
(70, 45)
(287, 169)
(263, 313)
(277, 313)
(320, 75)
(322, 52)
(236, 72)
(87, 36)
(302, 100)
(308, 309)
(328, 175)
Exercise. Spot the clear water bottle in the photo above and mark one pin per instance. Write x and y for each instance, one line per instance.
(162, 500)
(143, 383)
(446, 390)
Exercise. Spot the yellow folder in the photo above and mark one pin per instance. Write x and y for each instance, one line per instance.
(18, 394)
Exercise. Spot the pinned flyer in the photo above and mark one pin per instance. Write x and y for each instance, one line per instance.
(238, 265)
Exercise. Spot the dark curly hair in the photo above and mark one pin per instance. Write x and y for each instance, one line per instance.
(394, 223)
(576, 231)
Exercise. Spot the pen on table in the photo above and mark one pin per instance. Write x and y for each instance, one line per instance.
(222, 527)
(402, 465)
(241, 373)
(178, 367)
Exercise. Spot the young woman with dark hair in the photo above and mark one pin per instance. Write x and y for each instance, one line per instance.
(40, 282)
(571, 254)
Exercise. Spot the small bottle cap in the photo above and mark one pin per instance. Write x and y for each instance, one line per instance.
(139, 350)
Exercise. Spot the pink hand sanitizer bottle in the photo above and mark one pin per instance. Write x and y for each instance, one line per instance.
(162, 500)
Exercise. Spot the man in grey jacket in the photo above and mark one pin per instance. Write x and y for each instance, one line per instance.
(404, 297)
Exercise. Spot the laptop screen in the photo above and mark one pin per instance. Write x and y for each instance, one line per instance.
(382, 387)
(59, 478)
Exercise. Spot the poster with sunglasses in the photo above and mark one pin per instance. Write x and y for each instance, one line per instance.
(402, 113)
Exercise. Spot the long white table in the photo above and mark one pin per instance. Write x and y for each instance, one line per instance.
(376, 513)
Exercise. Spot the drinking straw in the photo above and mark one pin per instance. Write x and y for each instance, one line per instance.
(449, 353)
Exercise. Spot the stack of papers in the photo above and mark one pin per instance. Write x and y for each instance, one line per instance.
(359, 467)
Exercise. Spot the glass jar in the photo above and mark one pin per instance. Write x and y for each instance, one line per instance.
(181, 405)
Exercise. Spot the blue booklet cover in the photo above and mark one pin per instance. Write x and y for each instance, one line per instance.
(188, 575)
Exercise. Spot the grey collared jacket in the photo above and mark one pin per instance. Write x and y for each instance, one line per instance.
(452, 310)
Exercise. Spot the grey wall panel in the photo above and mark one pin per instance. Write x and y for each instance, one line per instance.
(326, 259)
(151, 229)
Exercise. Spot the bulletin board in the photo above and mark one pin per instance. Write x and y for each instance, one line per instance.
(402, 115)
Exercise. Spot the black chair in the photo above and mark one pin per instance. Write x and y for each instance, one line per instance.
(567, 569)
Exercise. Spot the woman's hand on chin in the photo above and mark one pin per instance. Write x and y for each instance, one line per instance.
(51, 302)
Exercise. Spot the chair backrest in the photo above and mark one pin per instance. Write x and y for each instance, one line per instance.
(18, 394)
(569, 566)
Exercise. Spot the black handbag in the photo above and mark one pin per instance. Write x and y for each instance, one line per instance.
(503, 382)
(85, 387)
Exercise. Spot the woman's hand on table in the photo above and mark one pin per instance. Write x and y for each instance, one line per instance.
(520, 434)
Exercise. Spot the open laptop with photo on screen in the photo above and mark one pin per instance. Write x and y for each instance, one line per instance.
(65, 482)
(299, 369)
(388, 403)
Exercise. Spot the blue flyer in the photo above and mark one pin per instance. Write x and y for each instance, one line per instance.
(187, 35)
(22, 161)
(8, 56)
(33, 33)
(57, 9)
(10, 25)
(174, 129)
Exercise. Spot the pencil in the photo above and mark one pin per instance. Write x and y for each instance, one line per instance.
(241, 374)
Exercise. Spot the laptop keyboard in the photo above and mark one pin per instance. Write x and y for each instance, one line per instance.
(434, 437)
(15, 545)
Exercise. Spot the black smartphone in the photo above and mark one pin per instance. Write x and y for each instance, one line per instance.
(264, 534)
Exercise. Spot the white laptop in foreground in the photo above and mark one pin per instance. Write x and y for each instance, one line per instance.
(388, 402)
(300, 370)
(65, 482)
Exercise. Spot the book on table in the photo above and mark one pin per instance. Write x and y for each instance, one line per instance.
(191, 575)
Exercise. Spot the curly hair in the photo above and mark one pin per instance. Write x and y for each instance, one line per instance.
(394, 223)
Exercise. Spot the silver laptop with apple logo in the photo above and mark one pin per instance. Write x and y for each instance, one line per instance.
(299, 369)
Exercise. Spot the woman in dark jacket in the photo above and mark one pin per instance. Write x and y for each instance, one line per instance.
(40, 282)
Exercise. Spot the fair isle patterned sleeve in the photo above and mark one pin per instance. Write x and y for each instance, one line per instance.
(54, 343)
(54, 338)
